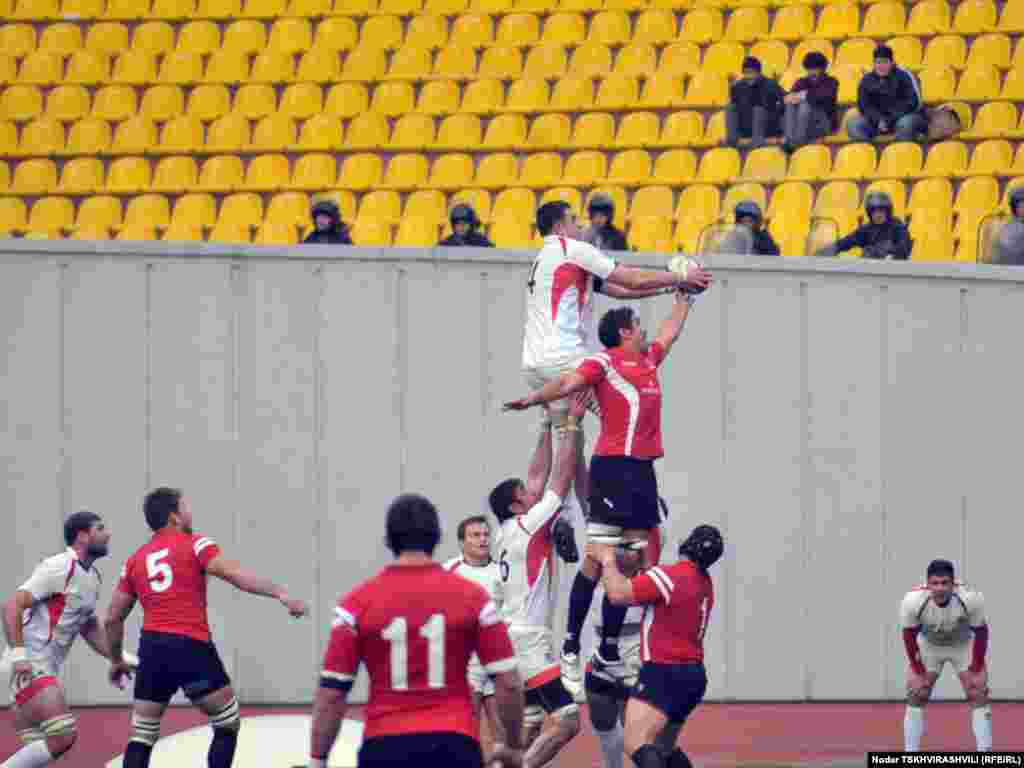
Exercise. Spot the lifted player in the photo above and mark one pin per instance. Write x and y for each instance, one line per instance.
(168, 576)
(527, 513)
(946, 615)
(476, 564)
(41, 621)
(673, 679)
(416, 625)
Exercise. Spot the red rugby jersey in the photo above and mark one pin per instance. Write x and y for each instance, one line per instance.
(681, 597)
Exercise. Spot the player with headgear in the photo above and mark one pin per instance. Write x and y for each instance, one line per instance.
(943, 623)
(623, 484)
(168, 576)
(416, 625)
(41, 621)
(672, 679)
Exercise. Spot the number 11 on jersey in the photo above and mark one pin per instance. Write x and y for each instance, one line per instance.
(396, 633)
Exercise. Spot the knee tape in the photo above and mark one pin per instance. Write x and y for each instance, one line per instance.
(30, 735)
(145, 730)
(568, 712)
(227, 717)
(533, 715)
(62, 725)
(600, 533)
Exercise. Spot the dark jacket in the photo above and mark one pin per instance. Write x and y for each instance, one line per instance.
(337, 235)
(764, 244)
(472, 240)
(888, 98)
(821, 94)
(745, 95)
(608, 238)
(878, 241)
(1009, 244)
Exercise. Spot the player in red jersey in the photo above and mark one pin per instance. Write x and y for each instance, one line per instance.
(415, 625)
(168, 576)
(672, 680)
(623, 486)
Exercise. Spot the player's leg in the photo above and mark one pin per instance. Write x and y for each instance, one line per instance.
(605, 705)
(975, 685)
(560, 705)
(644, 723)
(668, 743)
(43, 722)
(490, 708)
(146, 717)
(632, 555)
(210, 690)
(665, 696)
(919, 691)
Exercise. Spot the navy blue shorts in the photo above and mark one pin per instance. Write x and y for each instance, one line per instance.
(624, 492)
(675, 689)
(450, 750)
(168, 663)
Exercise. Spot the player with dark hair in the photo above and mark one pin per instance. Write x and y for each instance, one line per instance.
(623, 484)
(415, 625)
(41, 622)
(673, 679)
(939, 620)
(168, 576)
(476, 564)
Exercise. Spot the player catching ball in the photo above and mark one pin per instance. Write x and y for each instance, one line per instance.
(939, 620)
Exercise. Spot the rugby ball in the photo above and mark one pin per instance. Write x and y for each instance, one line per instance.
(684, 265)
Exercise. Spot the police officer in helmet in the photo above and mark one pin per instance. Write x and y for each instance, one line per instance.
(328, 228)
(748, 216)
(1009, 242)
(602, 232)
(464, 228)
(883, 236)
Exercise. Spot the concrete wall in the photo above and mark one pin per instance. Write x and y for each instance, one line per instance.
(844, 422)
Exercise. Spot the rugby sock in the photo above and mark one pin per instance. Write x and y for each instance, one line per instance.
(137, 755)
(913, 729)
(222, 750)
(580, 598)
(34, 755)
(679, 759)
(649, 756)
(612, 619)
(613, 746)
(981, 720)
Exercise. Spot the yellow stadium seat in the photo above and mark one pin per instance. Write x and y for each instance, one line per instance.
(545, 62)
(610, 28)
(991, 50)
(381, 205)
(181, 67)
(707, 89)
(931, 17)
(456, 62)
(71, 102)
(594, 130)
(230, 133)
(836, 195)
(747, 25)
(276, 234)
(346, 100)
(89, 136)
(43, 136)
(572, 94)
(293, 36)
(152, 211)
(675, 167)
(413, 132)
(400, 7)
(21, 102)
(933, 248)
(793, 197)
(931, 193)
(301, 101)
(511, 233)
(1013, 85)
(498, 170)
(1012, 19)
(810, 163)
(175, 175)
(714, 131)
(790, 230)
(744, 191)
(8, 68)
(618, 93)
(550, 131)
(585, 169)
(314, 171)
(649, 234)
(263, 9)
(60, 39)
(459, 132)
(636, 130)
(266, 173)
(896, 190)
(136, 135)
(90, 233)
(274, 132)
(636, 60)
(526, 95)
(228, 67)
(134, 68)
(182, 134)
(392, 98)
(838, 21)
(292, 208)
(82, 9)
(724, 58)
(980, 193)
(406, 171)
(793, 22)
(773, 55)
(221, 173)
(92, 68)
(682, 129)
(36, 10)
(409, 63)
(975, 17)
(368, 131)
(219, 9)
(979, 84)
(337, 34)
(655, 27)
(313, 9)
(321, 133)
(518, 29)
(991, 158)
(153, 37)
(427, 204)
(680, 60)
(13, 215)
(241, 209)
(417, 232)
(472, 31)
(630, 168)
(361, 171)
(702, 26)
(439, 97)
(497, 7)
(541, 170)
(224, 232)
(200, 37)
(429, 32)
(590, 60)
(652, 201)
(885, 19)
(765, 164)
(365, 63)
(446, 7)
(938, 85)
(542, 7)
(371, 233)
(17, 39)
(900, 160)
(995, 120)
(81, 176)
(946, 159)
(207, 102)
(162, 103)
(41, 68)
(52, 214)
(857, 54)
(276, 67)
(451, 172)
(562, 29)
(183, 233)
(129, 174)
(138, 231)
(358, 8)
(319, 66)
(908, 51)
(501, 63)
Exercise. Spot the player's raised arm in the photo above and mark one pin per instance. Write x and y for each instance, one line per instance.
(568, 383)
(234, 574)
(672, 326)
(540, 465)
(618, 588)
(637, 279)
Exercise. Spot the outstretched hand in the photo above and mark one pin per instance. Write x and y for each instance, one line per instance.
(517, 405)
(698, 276)
(119, 670)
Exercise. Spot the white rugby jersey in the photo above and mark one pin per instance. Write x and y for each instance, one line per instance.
(948, 624)
(560, 326)
(64, 595)
(487, 576)
(527, 567)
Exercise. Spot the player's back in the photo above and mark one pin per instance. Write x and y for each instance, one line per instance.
(167, 576)
(674, 627)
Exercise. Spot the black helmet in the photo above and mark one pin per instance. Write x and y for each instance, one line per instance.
(815, 60)
(704, 546)
(877, 199)
(1016, 198)
(464, 212)
(601, 203)
(748, 208)
(326, 207)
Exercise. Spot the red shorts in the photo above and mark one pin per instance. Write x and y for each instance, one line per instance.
(33, 689)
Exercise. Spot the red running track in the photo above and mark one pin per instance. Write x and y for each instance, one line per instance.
(717, 736)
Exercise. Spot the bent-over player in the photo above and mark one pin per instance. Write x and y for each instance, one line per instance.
(41, 621)
(939, 620)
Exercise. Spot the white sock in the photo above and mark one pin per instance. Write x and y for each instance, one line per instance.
(981, 721)
(34, 755)
(913, 729)
(613, 746)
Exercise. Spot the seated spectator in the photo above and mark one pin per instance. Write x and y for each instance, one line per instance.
(602, 233)
(811, 104)
(749, 237)
(889, 101)
(1009, 242)
(464, 229)
(328, 228)
(882, 237)
(755, 107)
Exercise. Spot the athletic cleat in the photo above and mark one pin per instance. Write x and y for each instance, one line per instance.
(572, 675)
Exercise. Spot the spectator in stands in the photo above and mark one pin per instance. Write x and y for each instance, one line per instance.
(882, 237)
(602, 232)
(756, 107)
(889, 101)
(811, 104)
(465, 224)
(1009, 242)
(757, 241)
(328, 228)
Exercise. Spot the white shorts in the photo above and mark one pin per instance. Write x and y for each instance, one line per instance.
(935, 657)
(537, 377)
(480, 682)
(535, 653)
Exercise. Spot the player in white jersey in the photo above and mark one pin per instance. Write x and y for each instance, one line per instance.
(939, 620)
(527, 513)
(476, 564)
(41, 621)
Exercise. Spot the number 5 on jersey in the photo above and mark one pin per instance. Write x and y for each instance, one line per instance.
(159, 573)
(396, 633)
